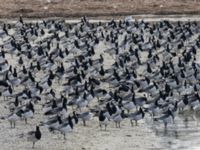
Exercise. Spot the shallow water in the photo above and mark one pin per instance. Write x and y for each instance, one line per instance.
(182, 135)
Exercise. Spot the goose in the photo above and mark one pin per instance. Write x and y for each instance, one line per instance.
(106, 98)
(13, 105)
(153, 108)
(152, 89)
(166, 118)
(93, 81)
(28, 79)
(183, 103)
(136, 116)
(57, 110)
(144, 83)
(85, 116)
(196, 74)
(139, 101)
(12, 118)
(28, 112)
(63, 112)
(50, 94)
(23, 96)
(74, 80)
(129, 105)
(4, 84)
(36, 90)
(109, 111)
(81, 103)
(75, 117)
(194, 100)
(67, 127)
(174, 83)
(88, 96)
(52, 123)
(103, 120)
(7, 93)
(123, 88)
(116, 108)
(20, 61)
(97, 92)
(46, 84)
(4, 68)
(49, 106)
(118, 118)
(14, 81)
(186, 89)
(196, 113)
(34, 136)
(113, 81)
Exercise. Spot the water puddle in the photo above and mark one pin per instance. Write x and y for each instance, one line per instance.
(182, 135)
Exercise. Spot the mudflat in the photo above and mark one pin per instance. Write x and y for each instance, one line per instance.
(103, 9)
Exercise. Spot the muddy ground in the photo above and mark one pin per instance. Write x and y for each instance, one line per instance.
(95, 8)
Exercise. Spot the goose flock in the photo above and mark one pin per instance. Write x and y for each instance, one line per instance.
(114, 71)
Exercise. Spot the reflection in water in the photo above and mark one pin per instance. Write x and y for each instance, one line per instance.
(182, 135)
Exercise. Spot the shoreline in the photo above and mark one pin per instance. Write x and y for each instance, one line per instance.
(148, 18)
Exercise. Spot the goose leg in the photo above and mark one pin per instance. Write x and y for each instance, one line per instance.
(33, 145)
(165, 126)
(84, 122)
(131, 123)
(11, 124)
(100, 126)
(186, 122)
(105, 126)
(152, 116)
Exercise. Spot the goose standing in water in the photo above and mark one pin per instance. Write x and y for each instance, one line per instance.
(166, 118)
